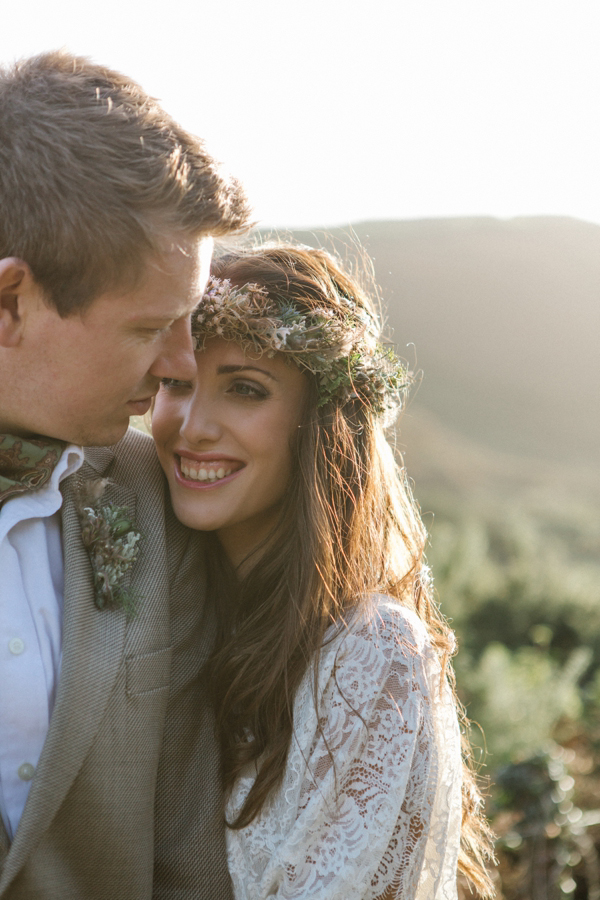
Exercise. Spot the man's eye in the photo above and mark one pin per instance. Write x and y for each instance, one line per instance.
(156, 332)
(173, 383)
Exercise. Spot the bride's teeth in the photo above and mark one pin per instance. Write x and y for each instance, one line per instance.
(190, 470)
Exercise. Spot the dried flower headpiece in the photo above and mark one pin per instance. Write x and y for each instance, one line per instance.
(340, 349)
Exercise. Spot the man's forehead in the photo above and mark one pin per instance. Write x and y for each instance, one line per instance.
(171, 286)
(162, 306)
(188, 253)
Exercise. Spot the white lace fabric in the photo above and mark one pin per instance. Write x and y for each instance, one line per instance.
(383, 821)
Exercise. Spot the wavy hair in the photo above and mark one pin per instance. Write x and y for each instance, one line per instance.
(348, 528)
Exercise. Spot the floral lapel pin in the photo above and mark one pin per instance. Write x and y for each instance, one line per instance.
(112, 541)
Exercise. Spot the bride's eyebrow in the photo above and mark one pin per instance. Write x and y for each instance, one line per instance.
(229, 370)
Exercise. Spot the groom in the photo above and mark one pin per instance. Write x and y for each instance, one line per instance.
(108, 769)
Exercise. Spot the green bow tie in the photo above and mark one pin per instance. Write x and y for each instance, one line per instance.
(26, 465)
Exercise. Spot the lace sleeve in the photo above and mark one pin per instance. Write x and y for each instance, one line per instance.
(369, 808)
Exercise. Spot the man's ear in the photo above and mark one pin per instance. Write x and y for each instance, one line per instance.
(16, 283)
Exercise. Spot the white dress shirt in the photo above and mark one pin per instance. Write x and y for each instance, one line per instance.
(31, 608)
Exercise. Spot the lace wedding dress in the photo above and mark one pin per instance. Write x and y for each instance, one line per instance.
(383, 821)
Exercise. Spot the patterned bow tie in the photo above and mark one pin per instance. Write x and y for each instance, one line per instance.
(26, 465)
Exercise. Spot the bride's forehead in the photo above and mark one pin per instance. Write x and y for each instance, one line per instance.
(218, 355)
(219, 352)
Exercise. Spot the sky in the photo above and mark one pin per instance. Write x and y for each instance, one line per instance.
(334, 112)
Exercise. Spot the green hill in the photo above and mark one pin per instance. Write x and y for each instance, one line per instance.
(503, 317)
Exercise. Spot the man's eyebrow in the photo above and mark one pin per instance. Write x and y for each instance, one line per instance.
(151, 317)
(184, 310)
(229, 370)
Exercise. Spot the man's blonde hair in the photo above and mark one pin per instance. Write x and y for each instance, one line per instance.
(94, 173)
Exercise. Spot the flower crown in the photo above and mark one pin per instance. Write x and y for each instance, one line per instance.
(341, 349)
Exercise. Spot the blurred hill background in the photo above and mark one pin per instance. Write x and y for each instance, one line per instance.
(504, 317)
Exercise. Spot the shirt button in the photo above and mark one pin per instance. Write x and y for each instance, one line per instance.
(26, 772)
(16, 646)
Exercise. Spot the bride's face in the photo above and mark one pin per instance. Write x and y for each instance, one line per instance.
(224, 442)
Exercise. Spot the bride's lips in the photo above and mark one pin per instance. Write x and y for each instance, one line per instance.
(205, 471)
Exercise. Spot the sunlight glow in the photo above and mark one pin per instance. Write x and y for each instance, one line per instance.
(334, 113)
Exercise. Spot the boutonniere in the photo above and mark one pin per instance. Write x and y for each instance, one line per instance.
(112, 541)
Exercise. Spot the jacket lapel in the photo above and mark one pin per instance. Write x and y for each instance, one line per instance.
(4, 844)
(93, 642)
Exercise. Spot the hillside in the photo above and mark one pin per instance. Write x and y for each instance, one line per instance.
(502, 317)
(445, 463)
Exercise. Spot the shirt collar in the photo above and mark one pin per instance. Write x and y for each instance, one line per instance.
(70, 461)
(48, 499)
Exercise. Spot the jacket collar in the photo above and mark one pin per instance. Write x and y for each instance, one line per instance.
(99, 458)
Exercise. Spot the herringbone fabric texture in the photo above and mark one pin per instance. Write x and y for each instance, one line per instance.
(115, 791)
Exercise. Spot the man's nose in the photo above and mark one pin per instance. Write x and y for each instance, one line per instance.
(176, 359)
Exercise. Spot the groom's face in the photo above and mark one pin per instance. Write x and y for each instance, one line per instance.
(87, 374)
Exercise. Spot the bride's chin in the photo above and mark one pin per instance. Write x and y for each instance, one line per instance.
(198, 522)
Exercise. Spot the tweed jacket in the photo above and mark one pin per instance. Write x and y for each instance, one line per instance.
(125, 803)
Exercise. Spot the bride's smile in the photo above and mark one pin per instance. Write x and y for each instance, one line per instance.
(224, 440)
(208, 470)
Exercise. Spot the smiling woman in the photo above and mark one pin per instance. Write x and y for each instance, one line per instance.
(330, 678)
(224, 440)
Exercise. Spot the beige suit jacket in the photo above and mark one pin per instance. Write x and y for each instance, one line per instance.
(125, 802)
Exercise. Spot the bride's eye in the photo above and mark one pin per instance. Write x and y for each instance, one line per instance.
(248, 389)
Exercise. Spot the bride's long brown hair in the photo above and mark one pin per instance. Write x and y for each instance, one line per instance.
(348, 528)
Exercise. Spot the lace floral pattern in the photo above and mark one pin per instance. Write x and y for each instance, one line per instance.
(383, 821)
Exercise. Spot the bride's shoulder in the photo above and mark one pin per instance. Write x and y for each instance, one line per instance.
(380, 636)
(385, 623)
(384, 649)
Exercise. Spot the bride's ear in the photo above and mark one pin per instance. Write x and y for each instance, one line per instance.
(16, 285)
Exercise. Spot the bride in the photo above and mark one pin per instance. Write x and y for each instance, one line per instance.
(331, 680)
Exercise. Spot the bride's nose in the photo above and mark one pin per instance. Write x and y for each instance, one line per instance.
(201, 423)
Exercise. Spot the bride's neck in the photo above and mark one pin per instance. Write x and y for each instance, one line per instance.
(242, 542)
